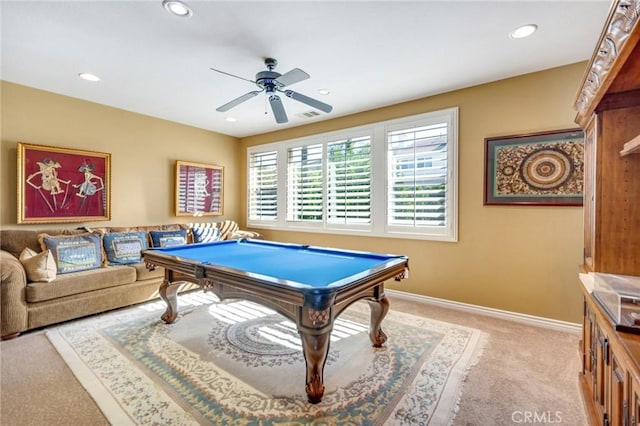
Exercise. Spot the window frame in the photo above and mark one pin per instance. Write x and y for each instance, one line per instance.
(378, 227)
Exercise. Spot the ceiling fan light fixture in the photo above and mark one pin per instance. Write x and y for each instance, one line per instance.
(178, 8)
(89, 77)
(231, 119)
(523, 31)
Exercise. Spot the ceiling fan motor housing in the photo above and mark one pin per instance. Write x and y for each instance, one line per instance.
(265, 79)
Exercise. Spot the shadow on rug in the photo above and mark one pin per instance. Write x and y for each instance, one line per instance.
(236, 362)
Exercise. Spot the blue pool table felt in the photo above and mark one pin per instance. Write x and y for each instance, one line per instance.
(312, 266)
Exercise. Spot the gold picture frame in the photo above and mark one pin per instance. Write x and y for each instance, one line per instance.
(60, 185)
(199, 189)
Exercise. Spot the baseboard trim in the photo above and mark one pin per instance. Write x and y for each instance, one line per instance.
(549, 323)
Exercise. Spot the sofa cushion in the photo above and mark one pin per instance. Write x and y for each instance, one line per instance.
(80, 282)
(39, 266)
(227, 228)
(15, 240)
(147, 228)
(205, 233)
(144, 273)
(74, 253)
(168, 238)
(122, 248)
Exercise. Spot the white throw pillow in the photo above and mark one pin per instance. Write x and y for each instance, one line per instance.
(39, 266)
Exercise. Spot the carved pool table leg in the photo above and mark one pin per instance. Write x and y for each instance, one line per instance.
(168, 292)
(379, 309)
(315, 349)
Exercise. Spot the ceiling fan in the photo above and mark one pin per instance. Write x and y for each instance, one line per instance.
(272, 82)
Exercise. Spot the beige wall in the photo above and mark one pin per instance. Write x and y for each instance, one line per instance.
(521, 259)
(143, 154)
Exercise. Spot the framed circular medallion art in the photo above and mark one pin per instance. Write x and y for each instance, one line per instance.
(545, 169)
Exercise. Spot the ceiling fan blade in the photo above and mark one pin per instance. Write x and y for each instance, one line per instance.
(291, 77)
(238, 101)
(232, 75)
(278, 109)
(314, 103)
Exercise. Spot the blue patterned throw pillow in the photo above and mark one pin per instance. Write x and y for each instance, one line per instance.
(123, 248)
(205, 234)
(168, 238)
(74, 253)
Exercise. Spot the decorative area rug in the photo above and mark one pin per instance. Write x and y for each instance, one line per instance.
(238, 363)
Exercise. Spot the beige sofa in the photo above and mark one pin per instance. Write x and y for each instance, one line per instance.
(26, 305)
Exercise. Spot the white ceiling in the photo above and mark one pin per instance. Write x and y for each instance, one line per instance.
(369, 54)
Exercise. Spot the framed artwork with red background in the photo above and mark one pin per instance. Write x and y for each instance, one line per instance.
(58, 185)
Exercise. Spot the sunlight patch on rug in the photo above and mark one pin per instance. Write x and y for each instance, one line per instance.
(237, 362)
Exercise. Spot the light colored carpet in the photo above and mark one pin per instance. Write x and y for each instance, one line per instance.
(37, 387)
(239, 363)
(523, 369)
(527, 374)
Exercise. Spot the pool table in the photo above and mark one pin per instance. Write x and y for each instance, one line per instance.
(309, 285)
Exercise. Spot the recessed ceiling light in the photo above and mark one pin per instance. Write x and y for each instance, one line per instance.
(324, 91)
(89, 77)
(523, 31)
(231, 119)
(178, 8)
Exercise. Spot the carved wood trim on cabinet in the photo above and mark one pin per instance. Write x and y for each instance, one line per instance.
(616, 44)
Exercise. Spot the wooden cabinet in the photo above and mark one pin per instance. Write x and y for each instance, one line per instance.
(608, 106)
(610, 378)
(612, 228)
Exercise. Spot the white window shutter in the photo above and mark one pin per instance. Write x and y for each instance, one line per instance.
(417, 176)
(349, 181)
(305, 183)
(263, 186)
